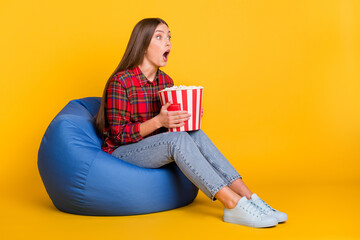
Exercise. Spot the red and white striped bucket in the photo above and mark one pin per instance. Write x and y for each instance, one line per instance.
(188, 99)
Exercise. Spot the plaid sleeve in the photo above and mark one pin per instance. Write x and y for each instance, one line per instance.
(122, 130)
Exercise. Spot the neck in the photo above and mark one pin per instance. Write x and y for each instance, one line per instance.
(148, 70)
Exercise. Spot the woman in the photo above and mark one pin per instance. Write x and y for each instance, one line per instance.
(133, 126)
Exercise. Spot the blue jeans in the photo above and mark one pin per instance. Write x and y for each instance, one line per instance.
(193, 152)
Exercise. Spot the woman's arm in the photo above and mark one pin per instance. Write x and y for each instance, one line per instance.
(118, 115)
(166, 119)
(122, 130)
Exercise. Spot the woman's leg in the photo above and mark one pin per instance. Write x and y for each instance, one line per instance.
(220, 163)
(240, 188)
(160, 149)
(236, 187)
(227, 197)
(163, 148)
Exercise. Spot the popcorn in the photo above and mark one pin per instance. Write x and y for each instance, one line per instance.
(181, 87)
(185, 98)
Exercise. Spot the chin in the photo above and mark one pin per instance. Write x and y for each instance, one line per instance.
(160, 64)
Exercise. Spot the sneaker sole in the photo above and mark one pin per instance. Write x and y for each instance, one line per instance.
(281, 220)
(256, 224)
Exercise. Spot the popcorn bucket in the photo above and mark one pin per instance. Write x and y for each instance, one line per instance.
(184, 99)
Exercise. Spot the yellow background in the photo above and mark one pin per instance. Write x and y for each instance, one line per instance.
(281, 98)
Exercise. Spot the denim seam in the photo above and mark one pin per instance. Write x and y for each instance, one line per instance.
(234, 178)
(212, 163)
(141, 149)
(195, 172)
(213, 192)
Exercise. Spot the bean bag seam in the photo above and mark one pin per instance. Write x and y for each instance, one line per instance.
(86, 182)
(64, 117)
(83, 198)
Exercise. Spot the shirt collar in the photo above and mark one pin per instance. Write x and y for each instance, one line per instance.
(142, 78)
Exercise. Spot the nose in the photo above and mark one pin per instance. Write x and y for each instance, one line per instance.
(167, 43)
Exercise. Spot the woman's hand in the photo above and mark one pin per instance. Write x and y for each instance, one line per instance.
(172, 119)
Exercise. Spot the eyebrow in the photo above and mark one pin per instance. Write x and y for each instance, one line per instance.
(161, 31)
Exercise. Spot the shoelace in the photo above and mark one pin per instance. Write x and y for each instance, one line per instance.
(251, 208)
(261, 204)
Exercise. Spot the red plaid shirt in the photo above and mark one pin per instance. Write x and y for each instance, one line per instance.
(131, 99)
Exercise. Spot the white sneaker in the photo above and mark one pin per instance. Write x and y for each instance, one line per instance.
(248, 214)
(280, 216)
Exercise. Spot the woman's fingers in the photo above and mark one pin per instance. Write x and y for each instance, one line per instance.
(179, 114)
(176, 125)
(180, 117)
(166, 105)
(177, 118)
(175, 113)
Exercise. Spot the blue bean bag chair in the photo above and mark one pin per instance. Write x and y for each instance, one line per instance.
(81, 178)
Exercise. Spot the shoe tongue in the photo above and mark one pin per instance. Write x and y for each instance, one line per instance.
(254, 196)
(243, 200)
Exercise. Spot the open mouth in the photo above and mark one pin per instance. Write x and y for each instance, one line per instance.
(166, 55)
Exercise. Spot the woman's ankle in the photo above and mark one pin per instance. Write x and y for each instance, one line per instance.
(240, 188)
(227, 197)
(231, 204)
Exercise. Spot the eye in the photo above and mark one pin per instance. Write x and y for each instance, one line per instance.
(158, 37)
(169, 37)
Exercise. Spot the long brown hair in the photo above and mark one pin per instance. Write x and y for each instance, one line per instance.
(134, 54)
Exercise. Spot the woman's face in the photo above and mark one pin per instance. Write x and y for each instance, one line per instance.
(159, 48)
